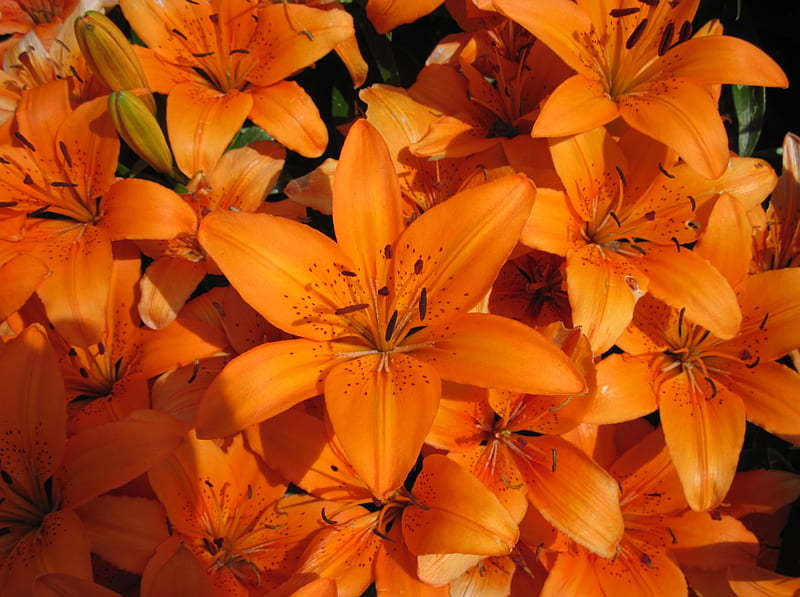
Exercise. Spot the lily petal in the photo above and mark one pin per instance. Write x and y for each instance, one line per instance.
(624, 392)
(263, 382)
(295, 280)
(579, 104)
(458, 514)
(495, 352)
(166, 285)
(367, 401)
(704, 429)
(367, 208)
(683, 115)
(289, 114)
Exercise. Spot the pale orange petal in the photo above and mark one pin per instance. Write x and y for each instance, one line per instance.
(288, 272)
(456, 249)
(568, 489)
(684, 280)
(378, 438)
(560, 24)
(144, 210)
(603, 289)
(244, 176)
(704, 430)
(727, 239)
(624, 391)
(712, 59)
(769, 392)
(396, 570)
(165, 286)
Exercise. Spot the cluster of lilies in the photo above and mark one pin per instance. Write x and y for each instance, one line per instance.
(513, 353)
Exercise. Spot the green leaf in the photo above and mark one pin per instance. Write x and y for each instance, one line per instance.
(750, 104)
(249, 134)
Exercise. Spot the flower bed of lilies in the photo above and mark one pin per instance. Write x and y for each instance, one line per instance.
(289, 309)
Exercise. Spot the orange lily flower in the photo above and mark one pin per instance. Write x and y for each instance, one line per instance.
(487, 93)
(705, 387)
(47, 478)
(229, 510)
(382, 315)
(556, 478)
(57, 166)
(660, 532)
(239, 180)
(639, 62)
(621, 225)
(227, 61)
(531, 289)
(22, 16)
(778, 238)
(446, 511)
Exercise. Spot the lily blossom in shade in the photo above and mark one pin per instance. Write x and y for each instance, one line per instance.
(228, 511)
(227, 60)
(381, 316)
(706, 387)
(46, 478)
(660, 533)
(622, 224)
(638, 61)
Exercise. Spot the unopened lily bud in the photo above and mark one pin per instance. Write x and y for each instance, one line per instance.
(110, 56)
(140, 129)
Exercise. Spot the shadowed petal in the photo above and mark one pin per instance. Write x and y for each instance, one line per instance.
(166, 285)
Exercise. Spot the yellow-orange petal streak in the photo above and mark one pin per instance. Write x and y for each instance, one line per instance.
(367, 208)
(262, 382)
(459, 514)
(370, 401)
(495, 352)
(704, 429)
(295, 279)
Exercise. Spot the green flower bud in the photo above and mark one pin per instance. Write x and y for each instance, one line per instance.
(138, 127)
(110, 56)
